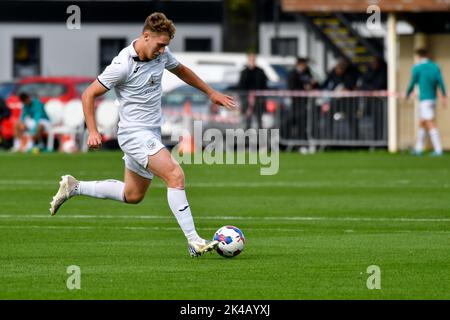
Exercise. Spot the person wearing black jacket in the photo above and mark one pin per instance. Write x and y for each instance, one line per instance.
(376, 77)
(252, 78)
(343, 77)
(294, 120)
(301, 78)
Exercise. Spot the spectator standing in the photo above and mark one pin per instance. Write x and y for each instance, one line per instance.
(374, 79)
(342, 77)
(376, 76)
(301, 78)
(294, 120)
(337, 120)
(252, 78)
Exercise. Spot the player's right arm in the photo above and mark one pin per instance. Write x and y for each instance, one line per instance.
(88, 98)
(113, 75)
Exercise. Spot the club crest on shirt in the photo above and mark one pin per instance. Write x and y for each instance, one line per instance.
(152, 85)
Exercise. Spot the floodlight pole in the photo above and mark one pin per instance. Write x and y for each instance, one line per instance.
(392, 45)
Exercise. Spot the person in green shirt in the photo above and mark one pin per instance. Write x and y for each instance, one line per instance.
(33, 122)
(427, 76)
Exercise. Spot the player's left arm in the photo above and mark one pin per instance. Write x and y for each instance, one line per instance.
(441, 85)
(188, 76)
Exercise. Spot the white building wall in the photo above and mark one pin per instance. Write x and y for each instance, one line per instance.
(76, 52)
(286, 30)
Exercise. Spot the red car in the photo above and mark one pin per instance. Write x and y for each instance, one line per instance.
(46, 88)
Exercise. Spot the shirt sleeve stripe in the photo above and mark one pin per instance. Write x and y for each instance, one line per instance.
(103, 84)
(173, 67)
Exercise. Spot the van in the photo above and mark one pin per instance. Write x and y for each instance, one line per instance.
(226, 67)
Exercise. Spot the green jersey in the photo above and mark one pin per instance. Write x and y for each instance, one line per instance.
(35, 110)
(428, 76)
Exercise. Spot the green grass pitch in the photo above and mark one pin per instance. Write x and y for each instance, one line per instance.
(312, 230)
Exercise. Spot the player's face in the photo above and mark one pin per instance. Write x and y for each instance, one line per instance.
(302, 67)
(252, 61)
(155, 43)
(26, 101)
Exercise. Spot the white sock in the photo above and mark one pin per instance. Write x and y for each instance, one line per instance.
(180, 207)
(106, 189)
(421, 135)
(436, 140)
(16, 145)
(29, 145)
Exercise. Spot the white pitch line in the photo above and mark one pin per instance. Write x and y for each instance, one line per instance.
(138, 228)
(5, 184)
(206, 229)
(218, 217)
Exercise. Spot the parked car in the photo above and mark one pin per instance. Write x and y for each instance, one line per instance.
(46, 88)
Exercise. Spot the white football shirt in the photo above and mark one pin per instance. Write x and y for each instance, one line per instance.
(138, 87)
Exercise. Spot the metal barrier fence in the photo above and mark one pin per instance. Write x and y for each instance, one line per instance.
(305, 119)
(314, 118)
(319, 118)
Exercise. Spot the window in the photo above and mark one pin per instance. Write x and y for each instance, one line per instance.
(26, 57)
(198, 44)
(284, 46)
(80, 87)
(42, 89)
(109, 48)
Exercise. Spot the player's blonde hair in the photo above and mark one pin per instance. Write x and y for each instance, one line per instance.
(158, 22)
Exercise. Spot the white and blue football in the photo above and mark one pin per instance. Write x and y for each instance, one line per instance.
(231, 241)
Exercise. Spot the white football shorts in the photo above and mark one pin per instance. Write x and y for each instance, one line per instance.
(137, 146)
(30, 123)
(427, 109)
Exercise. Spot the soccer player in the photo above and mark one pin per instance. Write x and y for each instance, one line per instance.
(427, 75)
(135, 73)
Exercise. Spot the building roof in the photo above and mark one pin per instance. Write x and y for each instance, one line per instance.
(362, 5)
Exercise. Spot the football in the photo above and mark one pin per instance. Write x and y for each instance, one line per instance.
(231, 241)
